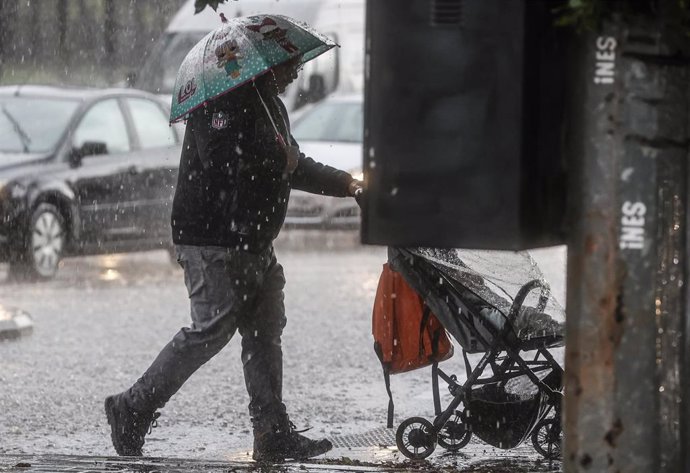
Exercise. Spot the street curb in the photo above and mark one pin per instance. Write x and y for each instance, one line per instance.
(14, 323)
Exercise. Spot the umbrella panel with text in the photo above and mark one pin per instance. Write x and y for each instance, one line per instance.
(237, 52)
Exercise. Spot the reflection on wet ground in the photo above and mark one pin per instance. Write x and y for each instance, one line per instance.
(77, 464)
(108, 270)
(126, 269)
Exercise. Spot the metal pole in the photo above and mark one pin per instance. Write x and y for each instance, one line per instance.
(625, 325)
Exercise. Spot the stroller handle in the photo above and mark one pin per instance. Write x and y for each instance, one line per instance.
(522, 294)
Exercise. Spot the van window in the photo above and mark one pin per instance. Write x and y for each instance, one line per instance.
(159, 73)
(319, 76)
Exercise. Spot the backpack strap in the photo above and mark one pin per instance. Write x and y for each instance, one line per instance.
(391, 406)
(422, 326)
(387, 382)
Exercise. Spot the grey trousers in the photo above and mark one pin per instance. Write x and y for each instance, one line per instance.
(228, 290)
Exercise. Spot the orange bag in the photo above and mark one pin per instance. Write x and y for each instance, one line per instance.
(407, 336)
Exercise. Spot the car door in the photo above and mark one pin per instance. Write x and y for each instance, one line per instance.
(157, 161)
(104, 182)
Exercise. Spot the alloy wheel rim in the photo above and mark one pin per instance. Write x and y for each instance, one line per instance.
(47, 240)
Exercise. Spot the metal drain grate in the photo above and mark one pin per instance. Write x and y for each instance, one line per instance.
(379, 437)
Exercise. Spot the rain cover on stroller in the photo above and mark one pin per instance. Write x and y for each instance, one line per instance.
(488, 283)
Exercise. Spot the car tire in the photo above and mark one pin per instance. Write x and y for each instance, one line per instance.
(43, 246)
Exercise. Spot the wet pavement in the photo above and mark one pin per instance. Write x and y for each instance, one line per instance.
(476, 459)
(103, 319)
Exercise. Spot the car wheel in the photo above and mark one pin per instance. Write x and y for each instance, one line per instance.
(43, 246)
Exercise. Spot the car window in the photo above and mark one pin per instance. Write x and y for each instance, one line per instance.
(331, 121)
(103, 123)
(33, 124)
(151, 124)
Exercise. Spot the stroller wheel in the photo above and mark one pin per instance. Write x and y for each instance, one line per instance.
(416, 438)
(547, 438)
(455, 434)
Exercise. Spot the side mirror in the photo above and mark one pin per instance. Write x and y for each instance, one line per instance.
(89, 148)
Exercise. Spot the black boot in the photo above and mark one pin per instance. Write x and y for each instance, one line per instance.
(283, 442)
(127, 426)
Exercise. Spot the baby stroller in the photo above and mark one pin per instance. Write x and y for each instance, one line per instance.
(514, 390)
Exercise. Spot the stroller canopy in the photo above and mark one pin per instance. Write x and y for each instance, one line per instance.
(495, 276)
(491, 281)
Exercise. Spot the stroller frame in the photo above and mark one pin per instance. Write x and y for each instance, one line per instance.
(452, 428)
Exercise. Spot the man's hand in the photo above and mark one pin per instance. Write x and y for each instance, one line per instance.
(355, 188)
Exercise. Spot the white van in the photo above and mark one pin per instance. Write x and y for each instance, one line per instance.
(343, 21)
(339, 69)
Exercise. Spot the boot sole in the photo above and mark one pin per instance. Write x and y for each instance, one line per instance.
(268, 458)
(326, 446)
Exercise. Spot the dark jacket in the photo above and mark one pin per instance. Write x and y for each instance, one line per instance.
(232, 188)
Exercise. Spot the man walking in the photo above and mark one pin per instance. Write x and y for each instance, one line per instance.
(237, 166)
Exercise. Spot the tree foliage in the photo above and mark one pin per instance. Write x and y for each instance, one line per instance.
(587, 14)
(84, 42)
(199, 5)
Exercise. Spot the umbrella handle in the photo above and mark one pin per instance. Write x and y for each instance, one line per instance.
(279, 136)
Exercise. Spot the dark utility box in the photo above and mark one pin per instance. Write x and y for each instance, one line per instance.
(463, 124)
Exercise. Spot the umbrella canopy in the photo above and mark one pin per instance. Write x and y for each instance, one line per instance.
(237, 52)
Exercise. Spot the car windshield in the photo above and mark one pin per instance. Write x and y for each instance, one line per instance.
(331, 121)
(33, 125)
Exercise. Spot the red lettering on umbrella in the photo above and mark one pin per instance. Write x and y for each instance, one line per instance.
(186, 91)
(269, 29)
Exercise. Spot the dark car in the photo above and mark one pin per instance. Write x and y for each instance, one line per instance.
(83, 171)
